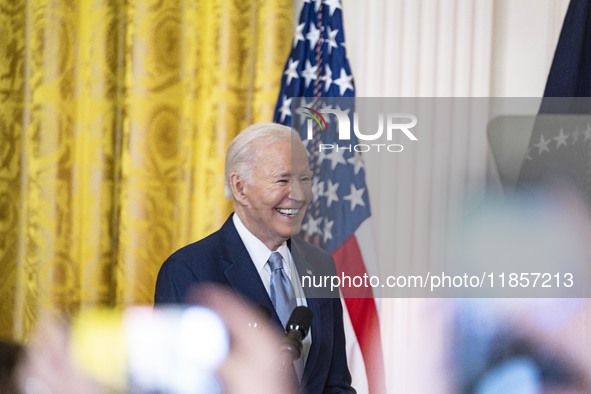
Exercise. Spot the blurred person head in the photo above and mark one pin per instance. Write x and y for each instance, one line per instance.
(532, 337)
(268, 178)
(517, 346)
(219, 344)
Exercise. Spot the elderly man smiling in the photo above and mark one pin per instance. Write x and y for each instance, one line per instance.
(256, 254)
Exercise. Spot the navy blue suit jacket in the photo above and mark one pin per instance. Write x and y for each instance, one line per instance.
(222, 258)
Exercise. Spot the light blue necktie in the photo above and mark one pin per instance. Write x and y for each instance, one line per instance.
(282, 294)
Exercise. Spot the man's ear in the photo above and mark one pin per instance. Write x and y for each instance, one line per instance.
(238, 186)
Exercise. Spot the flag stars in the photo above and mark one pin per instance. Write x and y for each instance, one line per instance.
(344, 82)
(302, 117)
(341, 198)
(333, 5)
(561, 139)
(542, 145)
(331, 193)
(313, 36)
(356, 161)
(291, 70)
(299, 34)
(285, 110)
(327, 77)
(332, 39)
(313, 225)
(528, 154)
(317, 188)
(325, 105)
(327, 233)
(317, 4)
(336, 158)
(355, 197)
(309, 73)
(346, 110)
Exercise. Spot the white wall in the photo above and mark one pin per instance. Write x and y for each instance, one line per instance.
(442, 48)
(412, 47)
(525, 36)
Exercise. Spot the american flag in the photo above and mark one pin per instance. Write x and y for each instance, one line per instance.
(318, 75)
(560, 145)
(570, 73)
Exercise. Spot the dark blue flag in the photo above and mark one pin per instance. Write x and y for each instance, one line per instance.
(560, 143)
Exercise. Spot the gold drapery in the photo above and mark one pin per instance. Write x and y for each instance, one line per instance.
(114, 120)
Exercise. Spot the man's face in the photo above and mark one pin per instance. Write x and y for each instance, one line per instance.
(278, 192)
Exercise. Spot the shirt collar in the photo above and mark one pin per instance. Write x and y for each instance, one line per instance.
(258, 251)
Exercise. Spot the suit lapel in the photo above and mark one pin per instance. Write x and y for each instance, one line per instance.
(240, 271)
(243, 277)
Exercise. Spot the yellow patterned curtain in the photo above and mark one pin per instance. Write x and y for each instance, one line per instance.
(114, 120)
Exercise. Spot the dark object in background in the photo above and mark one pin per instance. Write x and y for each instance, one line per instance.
(10, 353)
(570, 74)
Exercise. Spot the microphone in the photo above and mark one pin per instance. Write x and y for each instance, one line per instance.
(296, 329)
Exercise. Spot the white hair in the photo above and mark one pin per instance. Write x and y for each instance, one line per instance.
(239, 155)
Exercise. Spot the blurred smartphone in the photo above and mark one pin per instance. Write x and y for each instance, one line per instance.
(152, 350)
